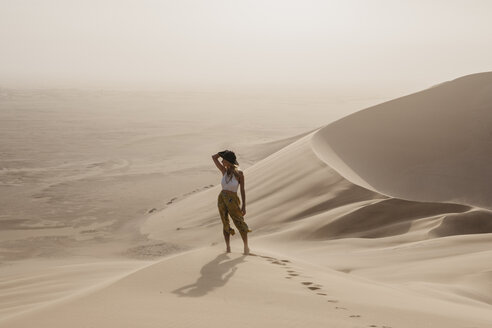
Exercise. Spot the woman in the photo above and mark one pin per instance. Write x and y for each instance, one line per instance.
(228, 201)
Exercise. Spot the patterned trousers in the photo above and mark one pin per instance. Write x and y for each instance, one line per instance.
(229, 204)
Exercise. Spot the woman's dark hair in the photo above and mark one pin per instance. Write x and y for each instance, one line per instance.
(229, 156)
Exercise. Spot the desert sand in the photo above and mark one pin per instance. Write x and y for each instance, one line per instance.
(352, 226)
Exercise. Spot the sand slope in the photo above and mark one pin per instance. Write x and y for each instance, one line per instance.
(298, 205)
(205, 287)
(433, 145)
(294, 193)
(37, 283)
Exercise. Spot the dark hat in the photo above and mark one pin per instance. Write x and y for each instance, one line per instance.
(229, 156)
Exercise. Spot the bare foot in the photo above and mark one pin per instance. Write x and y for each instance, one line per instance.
(246, 250)
(228, 249)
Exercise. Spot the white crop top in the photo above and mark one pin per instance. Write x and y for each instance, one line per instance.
(229, 185)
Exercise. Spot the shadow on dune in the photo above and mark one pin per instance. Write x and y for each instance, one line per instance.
(353, 194)
(384, 218)
(214, 274)
(472, 222)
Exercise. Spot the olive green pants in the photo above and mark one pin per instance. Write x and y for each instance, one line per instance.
(229, 204)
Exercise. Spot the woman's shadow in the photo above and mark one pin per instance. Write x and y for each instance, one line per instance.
(214, 274)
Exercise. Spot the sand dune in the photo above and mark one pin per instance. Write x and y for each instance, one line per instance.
(206, 287)
(37, 283)
(328, 247)
(433, 145)
(298, 205)
(294, 191)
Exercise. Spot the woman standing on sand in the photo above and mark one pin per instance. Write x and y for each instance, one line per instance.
(228, 201)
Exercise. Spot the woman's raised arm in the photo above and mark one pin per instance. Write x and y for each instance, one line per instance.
(217, 163)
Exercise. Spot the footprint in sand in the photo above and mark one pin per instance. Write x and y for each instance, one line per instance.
(278, 262)
(315, 287)
(171, 201)
(309, 284)
(293, 273)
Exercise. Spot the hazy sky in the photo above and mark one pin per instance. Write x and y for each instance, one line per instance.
(242, 43)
